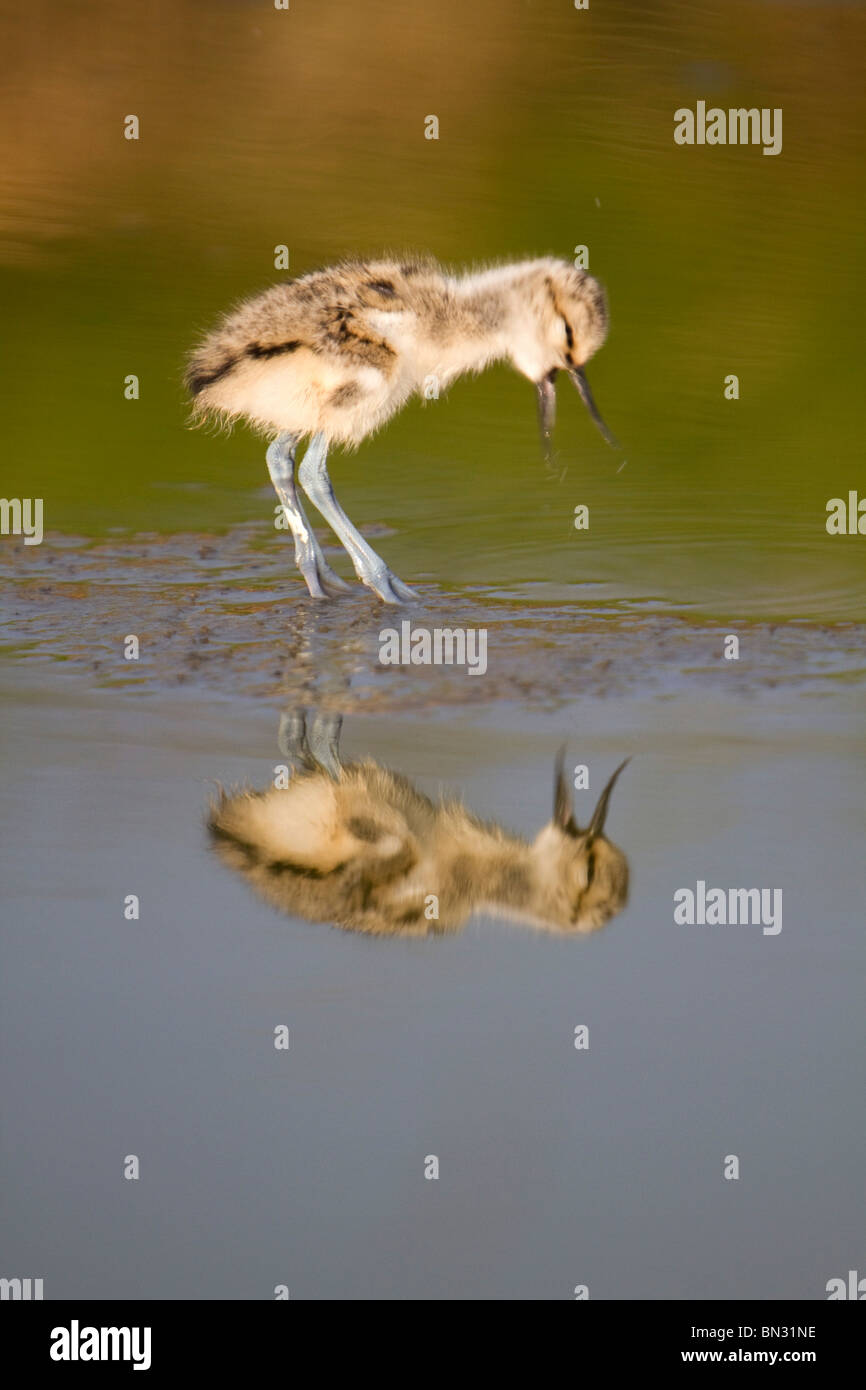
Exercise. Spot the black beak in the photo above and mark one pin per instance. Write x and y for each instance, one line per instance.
(599, 815)
(579, 378)
(546, 389)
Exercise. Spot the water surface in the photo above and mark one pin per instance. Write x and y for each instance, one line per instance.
(557, 1166)
(304, 128)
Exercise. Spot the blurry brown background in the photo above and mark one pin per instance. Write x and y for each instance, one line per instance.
(306, 127)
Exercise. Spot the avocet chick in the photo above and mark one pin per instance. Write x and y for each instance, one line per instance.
(333, 355)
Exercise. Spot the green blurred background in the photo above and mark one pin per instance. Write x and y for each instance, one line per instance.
(306, 127)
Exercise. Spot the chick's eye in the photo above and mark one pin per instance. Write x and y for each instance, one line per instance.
(569, 334)
(590, 869)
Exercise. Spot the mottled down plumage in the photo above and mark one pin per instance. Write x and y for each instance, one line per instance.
(341, 350)
(358, 845)
(333, 355)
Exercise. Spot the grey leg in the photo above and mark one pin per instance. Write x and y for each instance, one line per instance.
(369, 567)
(323, 741)
(292, 740)
(309, 745)
(318, 575)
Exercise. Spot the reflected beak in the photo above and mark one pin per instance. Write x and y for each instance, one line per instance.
(546, 389)
(579, 378)
(599, 815)
(562, 812)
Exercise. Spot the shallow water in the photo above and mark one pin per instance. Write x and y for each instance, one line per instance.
(222, 613)
(155, 1037)
(306, 1167)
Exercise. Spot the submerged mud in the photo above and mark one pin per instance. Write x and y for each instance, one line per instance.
(227, 614)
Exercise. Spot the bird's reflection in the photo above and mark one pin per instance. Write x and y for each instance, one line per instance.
(357, 845)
